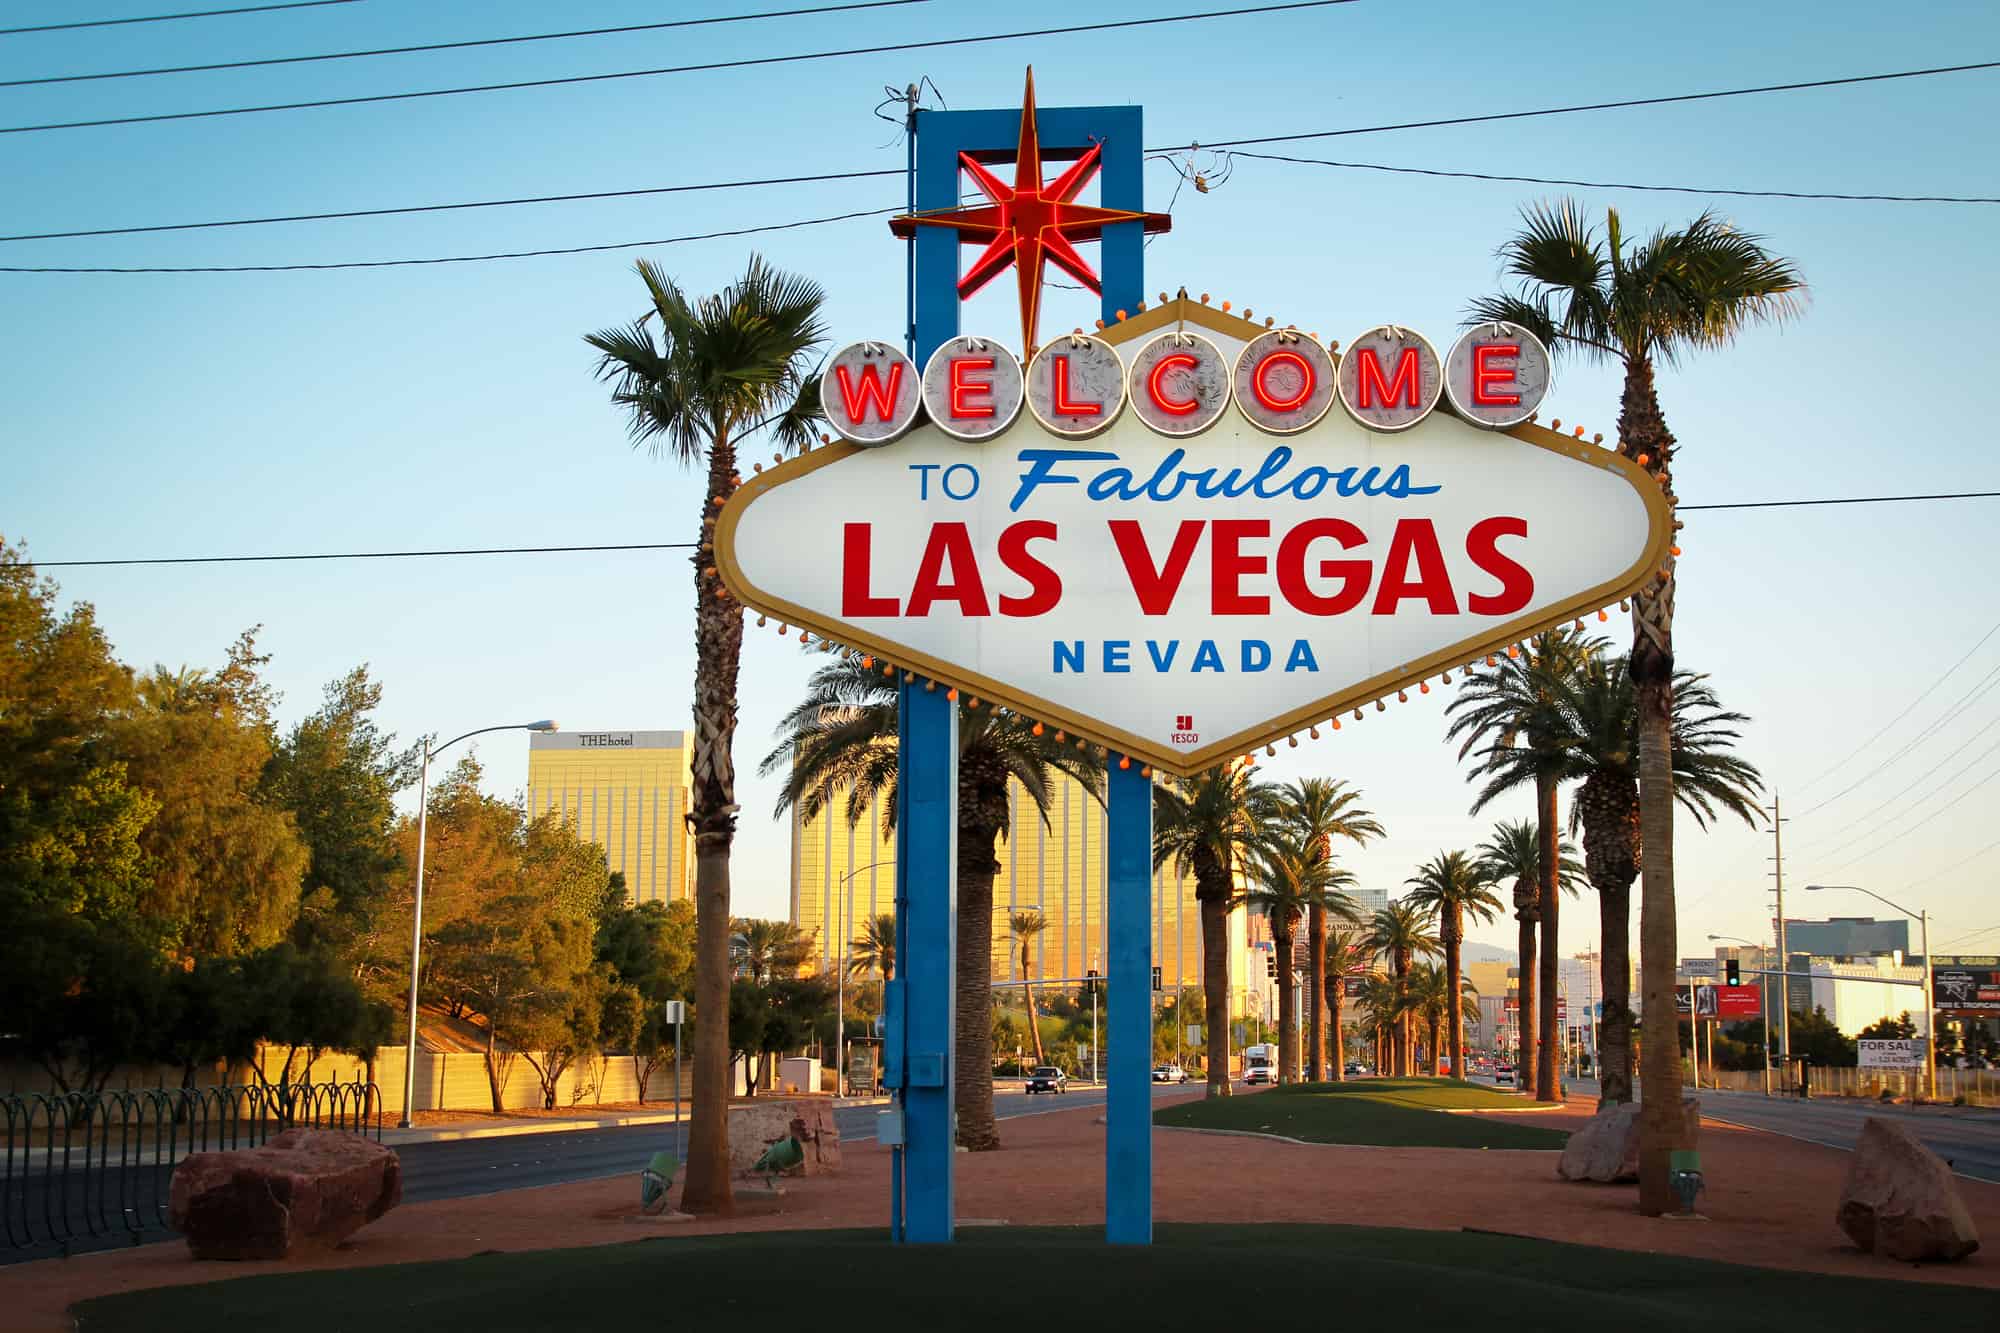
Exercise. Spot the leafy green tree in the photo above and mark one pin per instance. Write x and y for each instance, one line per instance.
(708, 375)
(80, 997)
(650, 950)
(472, 860)
(1593, 294)
(1818, 1039)
(1890, 1029)
(1454, 886)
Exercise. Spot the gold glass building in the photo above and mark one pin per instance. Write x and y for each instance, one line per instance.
(627, 791)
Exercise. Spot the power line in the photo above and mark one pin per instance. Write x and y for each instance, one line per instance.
(1628, 185)
(1911, 744)
(1881, 818)
(1885, 845)
(455, 46)
(746, 62)
(1843, 500)
(168, 18)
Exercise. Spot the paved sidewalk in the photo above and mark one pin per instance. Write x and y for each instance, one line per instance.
(500, 1129)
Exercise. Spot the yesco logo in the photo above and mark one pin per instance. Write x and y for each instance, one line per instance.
(1180, 383)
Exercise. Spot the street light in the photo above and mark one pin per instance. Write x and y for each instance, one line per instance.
(840, 976)
(417, 915)
(1930, 1016)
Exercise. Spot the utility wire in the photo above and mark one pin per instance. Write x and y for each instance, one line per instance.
(1909, 745)
(746, 62)
(1881, 818)
(168, 18)
(456, 46)
(388, 555)
(1885, 845)
(1843, 500)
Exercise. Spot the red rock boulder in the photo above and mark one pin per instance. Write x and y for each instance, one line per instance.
(305, 1189)
(1900, 1200)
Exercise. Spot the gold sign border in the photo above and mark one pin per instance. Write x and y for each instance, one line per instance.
(1188, 763)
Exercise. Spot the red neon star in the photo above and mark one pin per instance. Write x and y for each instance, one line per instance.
(1031, 224)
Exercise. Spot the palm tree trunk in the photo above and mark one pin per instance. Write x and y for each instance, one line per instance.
(1433, 1026)
(1662, 1126)
(1028, 999)
(1526, 893)
(1615, 963)
(972, 1069)
(1336, 995)
(718, 652)
(1288, 1010)
(1214, 900)
(1548, 1087)
(1453, 971)
(1315, 993)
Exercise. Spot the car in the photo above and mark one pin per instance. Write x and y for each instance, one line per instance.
(1169, 1073)
(1260, 1074)
(1047, 1078)
(1356, 1067)
(1504, 1074)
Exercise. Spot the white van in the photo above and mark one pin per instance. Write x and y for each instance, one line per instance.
(1260, 1064)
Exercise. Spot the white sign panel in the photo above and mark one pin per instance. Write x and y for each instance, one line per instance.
(1891, 1054)
(1181, 600)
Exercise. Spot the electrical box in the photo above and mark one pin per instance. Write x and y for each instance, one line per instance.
(889, 1128)
(927, 1069)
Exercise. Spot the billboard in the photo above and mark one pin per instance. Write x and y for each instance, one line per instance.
(1965, 985)
(1727, 1004)
(1513, 1008)
(1897, 1054)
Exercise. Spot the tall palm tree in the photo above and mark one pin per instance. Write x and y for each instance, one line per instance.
(1454, 886)
(1514, 853)
(718, 369)
(1510, 707)
(1430, 992)
(1292, 875)
(842, 737)
(1602, 710)
(764, 951)
(1344, 953)
(1590, 293)
(1401, 933)
(1025, 927)
(874, 949)
(1203, 824)
(1322, 809)
(1383, 1001)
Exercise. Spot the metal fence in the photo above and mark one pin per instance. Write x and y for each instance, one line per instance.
(83, 1170)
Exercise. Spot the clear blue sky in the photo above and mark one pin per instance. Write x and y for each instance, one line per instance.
(455, 406)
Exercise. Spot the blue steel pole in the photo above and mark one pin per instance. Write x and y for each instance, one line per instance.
(1128, 1134)
(926, 950)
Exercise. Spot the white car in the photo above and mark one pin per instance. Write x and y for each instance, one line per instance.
(1169, 1073)
(1260, 1074)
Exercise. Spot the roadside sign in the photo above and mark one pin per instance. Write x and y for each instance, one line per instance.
(673, 1011)
(1698, 967)
(1894, 1054)
(1194, 1034)
(1965, 986)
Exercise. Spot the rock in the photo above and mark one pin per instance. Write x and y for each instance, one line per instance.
(305, 1189)
(755, 1126)
(1606, 1149)
(1900, 1200)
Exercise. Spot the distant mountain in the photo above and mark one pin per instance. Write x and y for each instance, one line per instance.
(1475, 952)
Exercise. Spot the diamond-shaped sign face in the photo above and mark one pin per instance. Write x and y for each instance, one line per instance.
(1183, 600)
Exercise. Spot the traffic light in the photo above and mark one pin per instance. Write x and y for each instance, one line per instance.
(1156, 979)
(1735, 972)
(1271, 964)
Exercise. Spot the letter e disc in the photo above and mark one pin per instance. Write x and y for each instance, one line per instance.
(870, 392)
(973, 388)
(1076, 386)
(1179, 384)
(1390, 378)
(1284, 382)
(1496, 374)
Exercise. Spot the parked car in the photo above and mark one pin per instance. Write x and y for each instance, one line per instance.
(1047, 1078)
(1504, 1074)
(1356, 1067)
(1169, 1073)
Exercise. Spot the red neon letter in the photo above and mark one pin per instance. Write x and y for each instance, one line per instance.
(1414, 539)
(963, 390)
(1156, 384)
(855, 400)
(1517, 585)
(1155, 588)
(1045, 585)
(949, 544)
(1263, 391)
(855, 599)
(1369, 383)
(1353, 574)
(1485, 376)
(1228, 565)
(1060, 405)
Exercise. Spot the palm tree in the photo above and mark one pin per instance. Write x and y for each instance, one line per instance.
(842, 737)
(1344, 952)
(1590, 293)
(720, 368)
(874, 950)
(1514, 852)
(1321, 809)
(1203, 824)
(1401, 933)
(1290, 877)
(764, 951)
(1430, 992)
(1509, 705)
(1602, 709)
(1453, 886)
(1024, 927)
(1382, 999)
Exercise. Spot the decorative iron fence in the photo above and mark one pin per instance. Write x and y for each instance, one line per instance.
(82, 1170)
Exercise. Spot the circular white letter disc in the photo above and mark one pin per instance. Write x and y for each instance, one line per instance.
(1390, 378)
(869, 393)
(1497, 374)
(1179, 384)
(1076, 386)
(1284, 382)
(973, 388)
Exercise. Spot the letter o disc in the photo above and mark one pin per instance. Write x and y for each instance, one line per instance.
(1284, 382)
(1390, 378)
(1179, 384)
(1076, 386)
(1496, 361)
(880, 383)
(984, 399)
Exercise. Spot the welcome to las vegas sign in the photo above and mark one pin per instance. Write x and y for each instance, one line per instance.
(1191, 535)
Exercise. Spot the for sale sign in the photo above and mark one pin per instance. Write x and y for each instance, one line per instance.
(1167, 541)
(1894, 1054)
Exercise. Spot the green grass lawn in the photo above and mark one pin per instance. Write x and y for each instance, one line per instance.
(1019, 1277)
(1389, 1112)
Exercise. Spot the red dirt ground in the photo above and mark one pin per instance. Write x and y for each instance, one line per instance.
(1770, 1201)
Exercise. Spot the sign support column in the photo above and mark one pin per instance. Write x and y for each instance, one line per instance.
(926, 949)
(1128, 1116)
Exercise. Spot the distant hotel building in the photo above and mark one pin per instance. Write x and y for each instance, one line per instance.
(627, 791)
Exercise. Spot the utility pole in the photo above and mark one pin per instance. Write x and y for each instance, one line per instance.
(1784, 955)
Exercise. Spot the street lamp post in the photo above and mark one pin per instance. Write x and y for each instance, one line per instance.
(840, 976)
(1930, 1014)
(417, 914)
